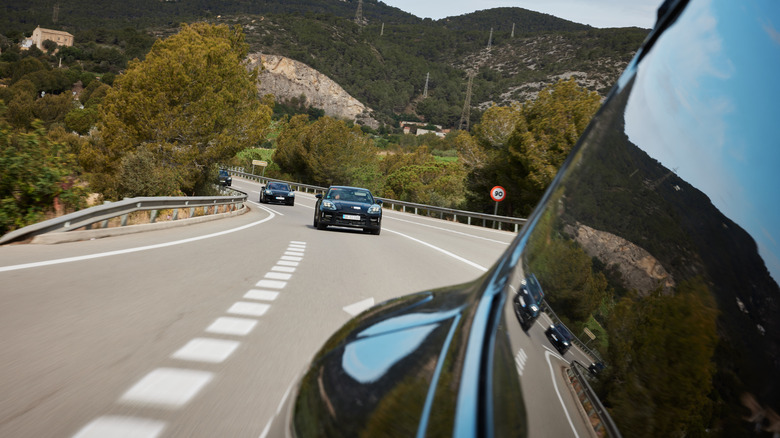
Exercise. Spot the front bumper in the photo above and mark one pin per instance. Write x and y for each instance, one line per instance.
(336, 218)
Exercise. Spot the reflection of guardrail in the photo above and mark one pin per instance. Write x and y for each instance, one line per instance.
(417, 208)
(101, 214)
(590, 401)
(592, 353)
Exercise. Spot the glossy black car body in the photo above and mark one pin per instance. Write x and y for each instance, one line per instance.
(528, 301)
(559, 336)
(277, 192)
(352, 207)
(679, 169)
(225, 179)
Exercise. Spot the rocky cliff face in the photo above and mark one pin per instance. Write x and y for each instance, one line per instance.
(640, 270)
(286, 78)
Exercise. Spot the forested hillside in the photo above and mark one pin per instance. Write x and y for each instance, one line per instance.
(383, 63)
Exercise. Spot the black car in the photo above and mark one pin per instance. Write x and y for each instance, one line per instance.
(278, 192)
(352, 207)
(225, 179)
(528, 301)
(661, 226)
(560, 337)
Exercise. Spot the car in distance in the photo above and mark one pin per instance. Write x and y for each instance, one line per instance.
(528, 301)
(560, 337)
(352, 207)
(224, 178)
(277, 192)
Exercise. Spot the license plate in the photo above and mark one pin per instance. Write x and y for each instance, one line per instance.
(281, 198)
(352, 217)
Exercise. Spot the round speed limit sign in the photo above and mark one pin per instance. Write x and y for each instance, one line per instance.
(498, 193)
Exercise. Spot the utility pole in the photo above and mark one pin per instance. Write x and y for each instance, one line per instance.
(466, 114)
(425, 91)
(56, 13)
(513, 30)
(490, 40)
(382, 32)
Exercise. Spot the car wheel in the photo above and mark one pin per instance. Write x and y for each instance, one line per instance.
(376, 231)
(321, 226)
(316, 222)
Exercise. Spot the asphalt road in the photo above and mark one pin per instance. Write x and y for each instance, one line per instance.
(200, 330)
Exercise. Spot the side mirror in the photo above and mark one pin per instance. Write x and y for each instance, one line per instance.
(318, 196)
(378, 201)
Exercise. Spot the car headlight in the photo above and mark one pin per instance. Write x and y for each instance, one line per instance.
(328, 205)
(268, 192)
(522, 301)
(535, 308)
(291, 194)
(374, 209)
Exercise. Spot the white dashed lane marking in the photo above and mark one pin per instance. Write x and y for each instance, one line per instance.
(206, 350)
(117, 426)
(248, 309)
(278, 276)
(226, 325)
(271, 284)
(173, 388)
(520, 360)
(262, 295)
(167, 387)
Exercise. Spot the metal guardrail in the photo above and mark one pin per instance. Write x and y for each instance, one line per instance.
(585, 392)
(417, 208)
(590, 352)
(102, 213)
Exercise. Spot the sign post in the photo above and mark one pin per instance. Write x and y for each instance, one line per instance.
(264, 164)
(498, 194)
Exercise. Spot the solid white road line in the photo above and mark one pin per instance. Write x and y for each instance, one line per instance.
(130, 250)
(547, 355)
(443, 251)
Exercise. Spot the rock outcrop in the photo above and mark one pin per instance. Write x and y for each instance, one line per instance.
(286, 78)
(640, 270)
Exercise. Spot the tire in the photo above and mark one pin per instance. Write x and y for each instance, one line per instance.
(376, 231)
(321, 226)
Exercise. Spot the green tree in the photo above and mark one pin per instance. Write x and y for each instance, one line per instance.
(37, 175)
(522, 148)
(661, 349)
(191, 102)
(326, 152)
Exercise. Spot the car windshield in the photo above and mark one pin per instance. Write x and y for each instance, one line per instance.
(534, 288)
(352, 195)
(564, 332)
(278, 186)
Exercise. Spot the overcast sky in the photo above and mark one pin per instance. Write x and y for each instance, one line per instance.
(597, 13)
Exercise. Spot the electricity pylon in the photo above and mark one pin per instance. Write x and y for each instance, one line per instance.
(466, 114)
